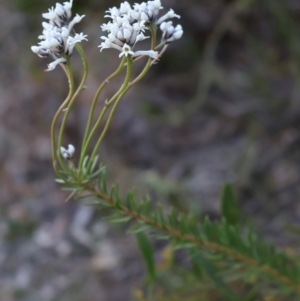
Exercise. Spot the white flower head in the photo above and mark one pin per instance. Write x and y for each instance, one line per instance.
(57, 39)
(128, 24)
(169, 32)
(67, 153)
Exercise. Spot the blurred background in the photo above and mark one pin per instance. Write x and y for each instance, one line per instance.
(222, 105)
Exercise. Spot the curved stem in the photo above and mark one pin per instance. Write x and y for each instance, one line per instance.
(70, 104)
(96, 125)
(57, 114)
(120, 94)
(85, 143)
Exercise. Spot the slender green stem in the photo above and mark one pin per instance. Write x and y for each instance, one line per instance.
(148, 65)
(94, 102)
(71, 102)
(153, 29)
(120, 94)
(58, 113)
(96, 125)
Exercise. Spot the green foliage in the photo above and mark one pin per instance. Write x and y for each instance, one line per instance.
(229, 206)
(212, 273)
(219, 248)
(147, 253)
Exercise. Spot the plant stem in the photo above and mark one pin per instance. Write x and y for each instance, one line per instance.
(91, 114)
(124, 88)
(119, 94)
(71, 102)
(57, 114)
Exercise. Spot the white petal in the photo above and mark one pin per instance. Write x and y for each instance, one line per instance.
(170, 14)
(75, 20)
(52, 65)
(71, 149)
(127, 33)
(151, 53)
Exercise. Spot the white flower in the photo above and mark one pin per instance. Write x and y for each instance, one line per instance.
(40, 51)
(108, 44)
(124, 31)
(76, 19)
(128, 24)
(126, 50)
(67, 153)
(61, 43)
(151, 53)
(125, 8)
(72, 41)
(149, 11)
(52, 17)
(64, 11)
(52, 65)
(169, 32)
(170, 14)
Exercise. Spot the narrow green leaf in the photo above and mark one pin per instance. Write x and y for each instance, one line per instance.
(95, 160)
(60, 181)
(196, 267)
(147, 253)
(229, 205)
(96, 173)
(117, 220)
(172, 219)
(69, 188)
(182, 245)
(212, 273)
(130, 201)
(85, 161)
(100, 203)
(160, 215)
(71, 195)
(138, 228)
(103, 179)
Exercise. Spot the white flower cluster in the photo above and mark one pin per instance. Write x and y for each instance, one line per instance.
(128, 24)
(56, 40)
